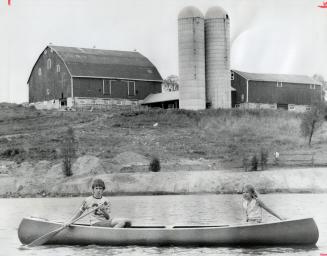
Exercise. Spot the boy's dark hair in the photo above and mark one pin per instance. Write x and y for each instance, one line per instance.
(98, 183)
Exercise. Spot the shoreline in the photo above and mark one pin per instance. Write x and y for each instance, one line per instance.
(294, 180)
(155, 194)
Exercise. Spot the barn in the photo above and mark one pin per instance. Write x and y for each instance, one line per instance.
(71, 76)
(275, 91)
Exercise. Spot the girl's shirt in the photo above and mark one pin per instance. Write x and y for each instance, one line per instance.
(253, 210)
(97, 215)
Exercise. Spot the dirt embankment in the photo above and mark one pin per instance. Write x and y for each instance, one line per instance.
(127, 173)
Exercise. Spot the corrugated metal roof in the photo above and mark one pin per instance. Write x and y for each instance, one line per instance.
(297, 79)
(107, 63)
(161, 97)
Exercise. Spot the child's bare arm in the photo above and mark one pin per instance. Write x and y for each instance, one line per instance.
(262, 204)
(106, 211)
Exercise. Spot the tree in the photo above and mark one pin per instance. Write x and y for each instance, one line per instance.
(68, 151)
(320, 79)
(312, 120)
(171, 83)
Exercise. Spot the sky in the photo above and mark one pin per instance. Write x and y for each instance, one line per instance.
(267, 36)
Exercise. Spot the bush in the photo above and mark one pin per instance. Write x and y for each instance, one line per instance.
(263, 158)
(312, 120)
(11, 152)
(68, 151)
(254, 163)
(16, 154)
(154, 165)
(246, 163)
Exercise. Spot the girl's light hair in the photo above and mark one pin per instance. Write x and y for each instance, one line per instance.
(252, 190)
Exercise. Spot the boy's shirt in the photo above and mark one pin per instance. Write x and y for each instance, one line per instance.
(97, 215)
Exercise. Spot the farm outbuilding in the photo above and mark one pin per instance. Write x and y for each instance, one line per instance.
(253, 90)
(162, 100)
(292, 92)
(80, 76)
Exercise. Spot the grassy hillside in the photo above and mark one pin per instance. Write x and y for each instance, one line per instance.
(223, 135)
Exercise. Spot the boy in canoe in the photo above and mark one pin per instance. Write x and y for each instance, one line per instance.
(253, 206)
(101, 216)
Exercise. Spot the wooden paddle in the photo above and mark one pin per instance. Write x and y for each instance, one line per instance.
(43, 239)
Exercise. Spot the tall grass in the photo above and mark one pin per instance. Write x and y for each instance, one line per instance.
(228, 135)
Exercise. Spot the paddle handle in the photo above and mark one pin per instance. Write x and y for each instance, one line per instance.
(85, 214)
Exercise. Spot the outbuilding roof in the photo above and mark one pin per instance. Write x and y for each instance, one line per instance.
(286, 78)
(161, 97)
(97, 63)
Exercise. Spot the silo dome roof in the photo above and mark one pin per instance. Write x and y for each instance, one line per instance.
(190, 12)
(215, 12)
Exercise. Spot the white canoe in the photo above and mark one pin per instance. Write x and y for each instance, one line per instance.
(282, 233)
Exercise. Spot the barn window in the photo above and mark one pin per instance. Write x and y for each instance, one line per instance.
(312, 86)
(131, 88)
(232, 75)
(39, 71)
(242, 97)
(49, 64)
(107, 86)
(58, 68)
(45, 52)
(279, 84)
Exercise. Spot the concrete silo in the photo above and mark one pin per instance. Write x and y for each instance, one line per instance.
(191, 59)
(217, 56)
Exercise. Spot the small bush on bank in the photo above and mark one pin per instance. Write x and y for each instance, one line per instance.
(154, 165)
(246, 163)
(16, 154)
(68, 151)
(263, 158)
(11, 152)
(254, 163)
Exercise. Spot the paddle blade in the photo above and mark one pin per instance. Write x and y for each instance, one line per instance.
(43, 239)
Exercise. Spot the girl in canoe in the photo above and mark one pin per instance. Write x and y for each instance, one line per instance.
(101, 216)
(253, 206)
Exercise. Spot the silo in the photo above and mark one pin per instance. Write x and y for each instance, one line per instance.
(191, 59)
(217, 56)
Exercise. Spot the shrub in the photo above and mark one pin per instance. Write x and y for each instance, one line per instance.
(16, 154)
(263, 158)
(154, 165)
(246, 163)
(10, 152)
(68, 151)
(254, 163)
(312, 120)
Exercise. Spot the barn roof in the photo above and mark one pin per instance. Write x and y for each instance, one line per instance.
(161, 97)
(97, 63)
(297, 79)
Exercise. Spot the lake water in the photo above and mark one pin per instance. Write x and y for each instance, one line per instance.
(162, 210)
